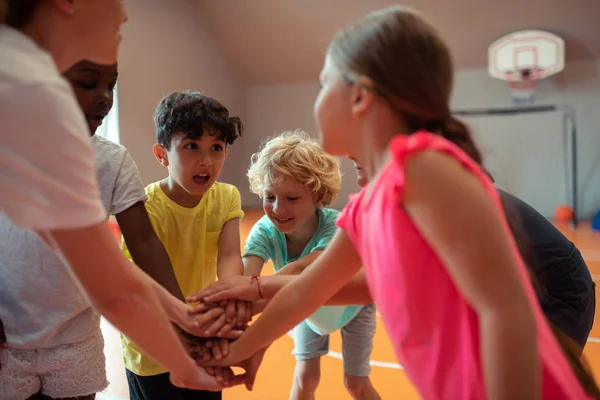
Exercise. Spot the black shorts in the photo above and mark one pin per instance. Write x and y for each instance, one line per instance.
(159, 387)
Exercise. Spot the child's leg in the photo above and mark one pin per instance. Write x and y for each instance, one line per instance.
(306, 379)
(309, 347)
(357, 344)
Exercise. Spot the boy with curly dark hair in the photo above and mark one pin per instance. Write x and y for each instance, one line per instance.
(196, 218)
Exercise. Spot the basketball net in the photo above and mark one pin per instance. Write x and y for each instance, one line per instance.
(523, 84)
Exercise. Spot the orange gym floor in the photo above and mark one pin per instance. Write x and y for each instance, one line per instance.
(275, 377)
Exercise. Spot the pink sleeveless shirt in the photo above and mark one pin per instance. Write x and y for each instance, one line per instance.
(433, 330)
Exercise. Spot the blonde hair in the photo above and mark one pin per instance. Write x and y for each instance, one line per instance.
(295, 154)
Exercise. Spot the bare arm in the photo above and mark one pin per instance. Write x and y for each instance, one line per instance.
(124, 295)
(453, 212)
(298, 266)
(234, 287)
(146, 249)
(230, 258)
(149, 254)
(230, 264)
(355, 292)
(253, 265)
(259, 306)
(297, 300)
(245, 289)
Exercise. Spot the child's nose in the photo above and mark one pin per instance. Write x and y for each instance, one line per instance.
(105, 97)
(277, 207)
(205, 160)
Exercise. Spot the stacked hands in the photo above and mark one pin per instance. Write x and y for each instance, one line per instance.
(219, 315)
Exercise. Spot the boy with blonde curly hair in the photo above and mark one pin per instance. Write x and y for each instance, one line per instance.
(297, 180)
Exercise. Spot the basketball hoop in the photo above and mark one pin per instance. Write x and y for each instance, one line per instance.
(523, 59)
(523, 83)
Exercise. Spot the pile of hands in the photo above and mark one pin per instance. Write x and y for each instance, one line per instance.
(214, 321)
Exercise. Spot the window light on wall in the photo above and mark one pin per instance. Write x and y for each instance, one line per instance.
(110, 126)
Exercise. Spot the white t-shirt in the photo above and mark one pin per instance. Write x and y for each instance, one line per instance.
(47, 172)
(40, 304)
(118, 176)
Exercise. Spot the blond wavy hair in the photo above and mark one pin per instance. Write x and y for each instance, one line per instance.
(295, 154)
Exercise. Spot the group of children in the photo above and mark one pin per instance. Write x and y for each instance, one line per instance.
(437, 252)
(184, 232)
(433, 236)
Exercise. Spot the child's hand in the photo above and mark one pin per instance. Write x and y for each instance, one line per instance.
(194, 346)
(219, 348)
(236, 355)
(230, 311)
(207, 321)
(226, 377)
(197, 318)
(244, 313)
(218, 325)
(250, 364)
(225, 324)
(207, 350)
(197, 379)
(197, 321)
(233, 287)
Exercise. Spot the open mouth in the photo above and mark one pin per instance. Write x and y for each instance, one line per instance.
(282, 220)
(201, 178)
(96, 120)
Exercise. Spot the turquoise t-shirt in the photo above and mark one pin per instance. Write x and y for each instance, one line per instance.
(266, 242)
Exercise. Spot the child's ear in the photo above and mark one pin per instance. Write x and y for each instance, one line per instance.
(65, 6)
(161, 154)
(361, 96)
(318, 198)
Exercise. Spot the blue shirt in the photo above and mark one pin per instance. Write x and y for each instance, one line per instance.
(266, 242)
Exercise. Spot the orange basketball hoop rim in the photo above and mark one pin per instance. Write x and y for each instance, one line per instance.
(524, 82)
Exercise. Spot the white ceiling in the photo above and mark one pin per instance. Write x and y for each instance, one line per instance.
(283, 41)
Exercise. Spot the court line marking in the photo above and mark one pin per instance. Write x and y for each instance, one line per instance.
(391, 365)
(590, 255)
(373, 363)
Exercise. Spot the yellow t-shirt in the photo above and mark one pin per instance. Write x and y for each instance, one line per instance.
(191, 238)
